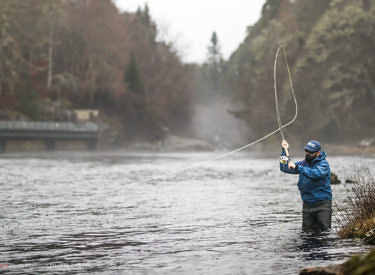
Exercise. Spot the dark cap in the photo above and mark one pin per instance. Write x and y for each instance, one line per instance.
(313, 146)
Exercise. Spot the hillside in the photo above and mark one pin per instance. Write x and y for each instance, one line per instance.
(329, 46)
(58, 56)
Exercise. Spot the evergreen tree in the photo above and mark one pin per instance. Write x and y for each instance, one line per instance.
(214, 59)
(214, 62)
(133, 76)
(136, 116)
(144, 14)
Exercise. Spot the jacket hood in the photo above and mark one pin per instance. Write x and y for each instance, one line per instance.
(322, 156)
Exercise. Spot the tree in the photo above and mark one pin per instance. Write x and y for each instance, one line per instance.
(366, 5)
(51, 15)
(98, 23)
(63, 81)
(330, 54)
(214, 62)
(339, 57)
(133, 77)
(89, 54)
(135, 113)
(144, 14)
(215, 58)
(10, 51)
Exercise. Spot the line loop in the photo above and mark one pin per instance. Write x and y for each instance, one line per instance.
(281, 127)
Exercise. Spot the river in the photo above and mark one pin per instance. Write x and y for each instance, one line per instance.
(121, 213)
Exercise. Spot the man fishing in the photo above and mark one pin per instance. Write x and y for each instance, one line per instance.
(313, 184)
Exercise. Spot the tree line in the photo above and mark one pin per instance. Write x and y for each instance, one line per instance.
(69, 54)
(72, 54)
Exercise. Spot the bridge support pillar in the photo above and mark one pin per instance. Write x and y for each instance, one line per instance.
(2, 145)
(92, 144)
(50, 145)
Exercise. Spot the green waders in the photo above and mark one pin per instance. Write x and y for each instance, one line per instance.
(317, 216)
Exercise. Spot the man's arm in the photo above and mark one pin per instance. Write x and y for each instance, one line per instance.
(315, 173)
(286, 165)
(289, 167)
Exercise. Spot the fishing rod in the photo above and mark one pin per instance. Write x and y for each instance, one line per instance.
(286, 158)
(279, 129)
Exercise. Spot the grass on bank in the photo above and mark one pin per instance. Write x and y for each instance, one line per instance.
(359, 218)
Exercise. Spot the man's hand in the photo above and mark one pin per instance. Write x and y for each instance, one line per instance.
(285, 145)
(291, 165)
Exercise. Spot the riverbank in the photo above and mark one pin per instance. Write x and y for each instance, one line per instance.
(173, 143)
(358, 219)
(356, 265)
(352, 148)
(349, 149)
(182, 143)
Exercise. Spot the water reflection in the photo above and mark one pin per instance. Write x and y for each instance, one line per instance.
(316, 245)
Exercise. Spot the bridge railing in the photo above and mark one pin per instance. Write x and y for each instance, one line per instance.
(49, 126)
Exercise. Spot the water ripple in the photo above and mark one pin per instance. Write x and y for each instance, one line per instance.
(94, 213)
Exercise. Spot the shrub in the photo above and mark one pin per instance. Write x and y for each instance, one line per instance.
(359, 217)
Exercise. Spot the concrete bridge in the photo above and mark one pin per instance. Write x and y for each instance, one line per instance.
(35, 135)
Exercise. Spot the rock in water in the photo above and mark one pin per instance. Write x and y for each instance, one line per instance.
(361, 264)
(367, 142)
(356, 265)
(329, 270)
(370, 237)
(334, 179)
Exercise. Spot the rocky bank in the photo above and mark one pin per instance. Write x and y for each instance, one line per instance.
(357, 265)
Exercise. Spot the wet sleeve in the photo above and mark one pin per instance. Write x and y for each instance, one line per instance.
(284, 166)
(320, 171)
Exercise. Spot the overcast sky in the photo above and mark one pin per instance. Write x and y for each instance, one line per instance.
(189, 23)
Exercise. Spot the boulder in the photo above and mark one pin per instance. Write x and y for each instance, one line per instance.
(369, 237)
(334, 179)
(367, 142)
(329, 270)
(356, 265)
(361, 264)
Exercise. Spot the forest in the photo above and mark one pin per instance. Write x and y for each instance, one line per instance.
(56, 56)
(329, 46)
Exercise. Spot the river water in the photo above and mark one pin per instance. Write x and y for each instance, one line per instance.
(118, 213)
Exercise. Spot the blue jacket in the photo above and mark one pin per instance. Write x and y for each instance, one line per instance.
(314, 181)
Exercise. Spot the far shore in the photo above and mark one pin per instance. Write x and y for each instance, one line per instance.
(334, 149)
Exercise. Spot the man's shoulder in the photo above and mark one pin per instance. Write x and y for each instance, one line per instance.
(324, 163)
(321, 161)
(322, 156)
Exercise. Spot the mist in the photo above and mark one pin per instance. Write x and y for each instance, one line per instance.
(212, 122)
